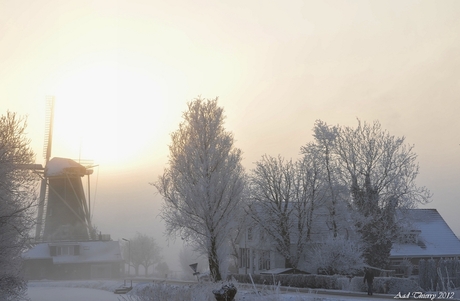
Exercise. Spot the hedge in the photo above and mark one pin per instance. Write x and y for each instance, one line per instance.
(385, 285)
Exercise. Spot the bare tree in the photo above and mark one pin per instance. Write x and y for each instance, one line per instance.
(336, 193)
(144, 251)
(272, 194)
(284, 197)
(204, 182)
(17, 198)
(380, 171)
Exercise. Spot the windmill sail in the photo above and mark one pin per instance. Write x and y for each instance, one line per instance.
(47, 155)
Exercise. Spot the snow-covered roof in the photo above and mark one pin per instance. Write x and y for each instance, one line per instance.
(61, 166)
(435, 238)
(90, 252)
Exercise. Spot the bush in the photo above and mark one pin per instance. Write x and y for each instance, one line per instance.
(422, 274)
(432, 274)
(439, 275)
(336, 255)
(296, 280)
(385, 285)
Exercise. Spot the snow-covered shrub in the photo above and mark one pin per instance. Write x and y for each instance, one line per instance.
(294, 280)
(432, 274)
(422, 275)
(336, 255)
(447, 274)
(440, 275)
(407, 267)
(343, 283)
(385, 285)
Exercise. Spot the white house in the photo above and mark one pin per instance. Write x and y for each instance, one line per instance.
(427, 236)
(257, 250)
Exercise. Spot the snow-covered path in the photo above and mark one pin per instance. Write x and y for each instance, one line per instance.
(69, 294)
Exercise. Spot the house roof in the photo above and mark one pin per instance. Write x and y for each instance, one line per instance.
(435, 238)
(90, 252)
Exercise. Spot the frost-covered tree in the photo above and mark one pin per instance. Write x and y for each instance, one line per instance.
(336, 255)
(241, 220)
(380, 171)
(283, 198)
(272, 196)
(203, 185)
(163, 269)
(336, 193)
(17, 198)
(142, 250)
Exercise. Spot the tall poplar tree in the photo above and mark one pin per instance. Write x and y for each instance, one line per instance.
(203, 185)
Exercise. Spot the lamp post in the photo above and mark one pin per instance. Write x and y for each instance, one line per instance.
(129, 253)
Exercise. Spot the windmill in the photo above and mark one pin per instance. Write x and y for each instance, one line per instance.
(63, 213)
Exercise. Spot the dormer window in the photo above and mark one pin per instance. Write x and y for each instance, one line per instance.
(410, 237)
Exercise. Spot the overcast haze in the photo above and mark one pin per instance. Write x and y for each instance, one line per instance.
(123, 71)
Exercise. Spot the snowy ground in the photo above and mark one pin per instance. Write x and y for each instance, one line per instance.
(103, 290)
(69, 294)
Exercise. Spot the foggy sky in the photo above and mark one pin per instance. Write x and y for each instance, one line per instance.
(123, 71)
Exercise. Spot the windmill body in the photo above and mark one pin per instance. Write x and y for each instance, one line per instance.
(67, 215)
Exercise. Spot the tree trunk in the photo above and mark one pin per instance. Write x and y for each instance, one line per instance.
(214, 262)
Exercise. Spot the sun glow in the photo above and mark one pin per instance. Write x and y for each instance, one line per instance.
(107, 114)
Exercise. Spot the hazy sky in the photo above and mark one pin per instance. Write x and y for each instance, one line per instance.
(123, 71)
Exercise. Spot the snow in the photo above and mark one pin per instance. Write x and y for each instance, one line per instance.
(90, 251)
(39, 251)
(103, 290)
(60, 166)
(69, 294)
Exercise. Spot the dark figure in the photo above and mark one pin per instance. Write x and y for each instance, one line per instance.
(369, 277)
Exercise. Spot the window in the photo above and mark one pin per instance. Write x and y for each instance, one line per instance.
(264, 260)
(249, 233)
(244, 258)
(68, 250)
(410, 237)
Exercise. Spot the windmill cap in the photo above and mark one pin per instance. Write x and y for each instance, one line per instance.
(57, 167)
